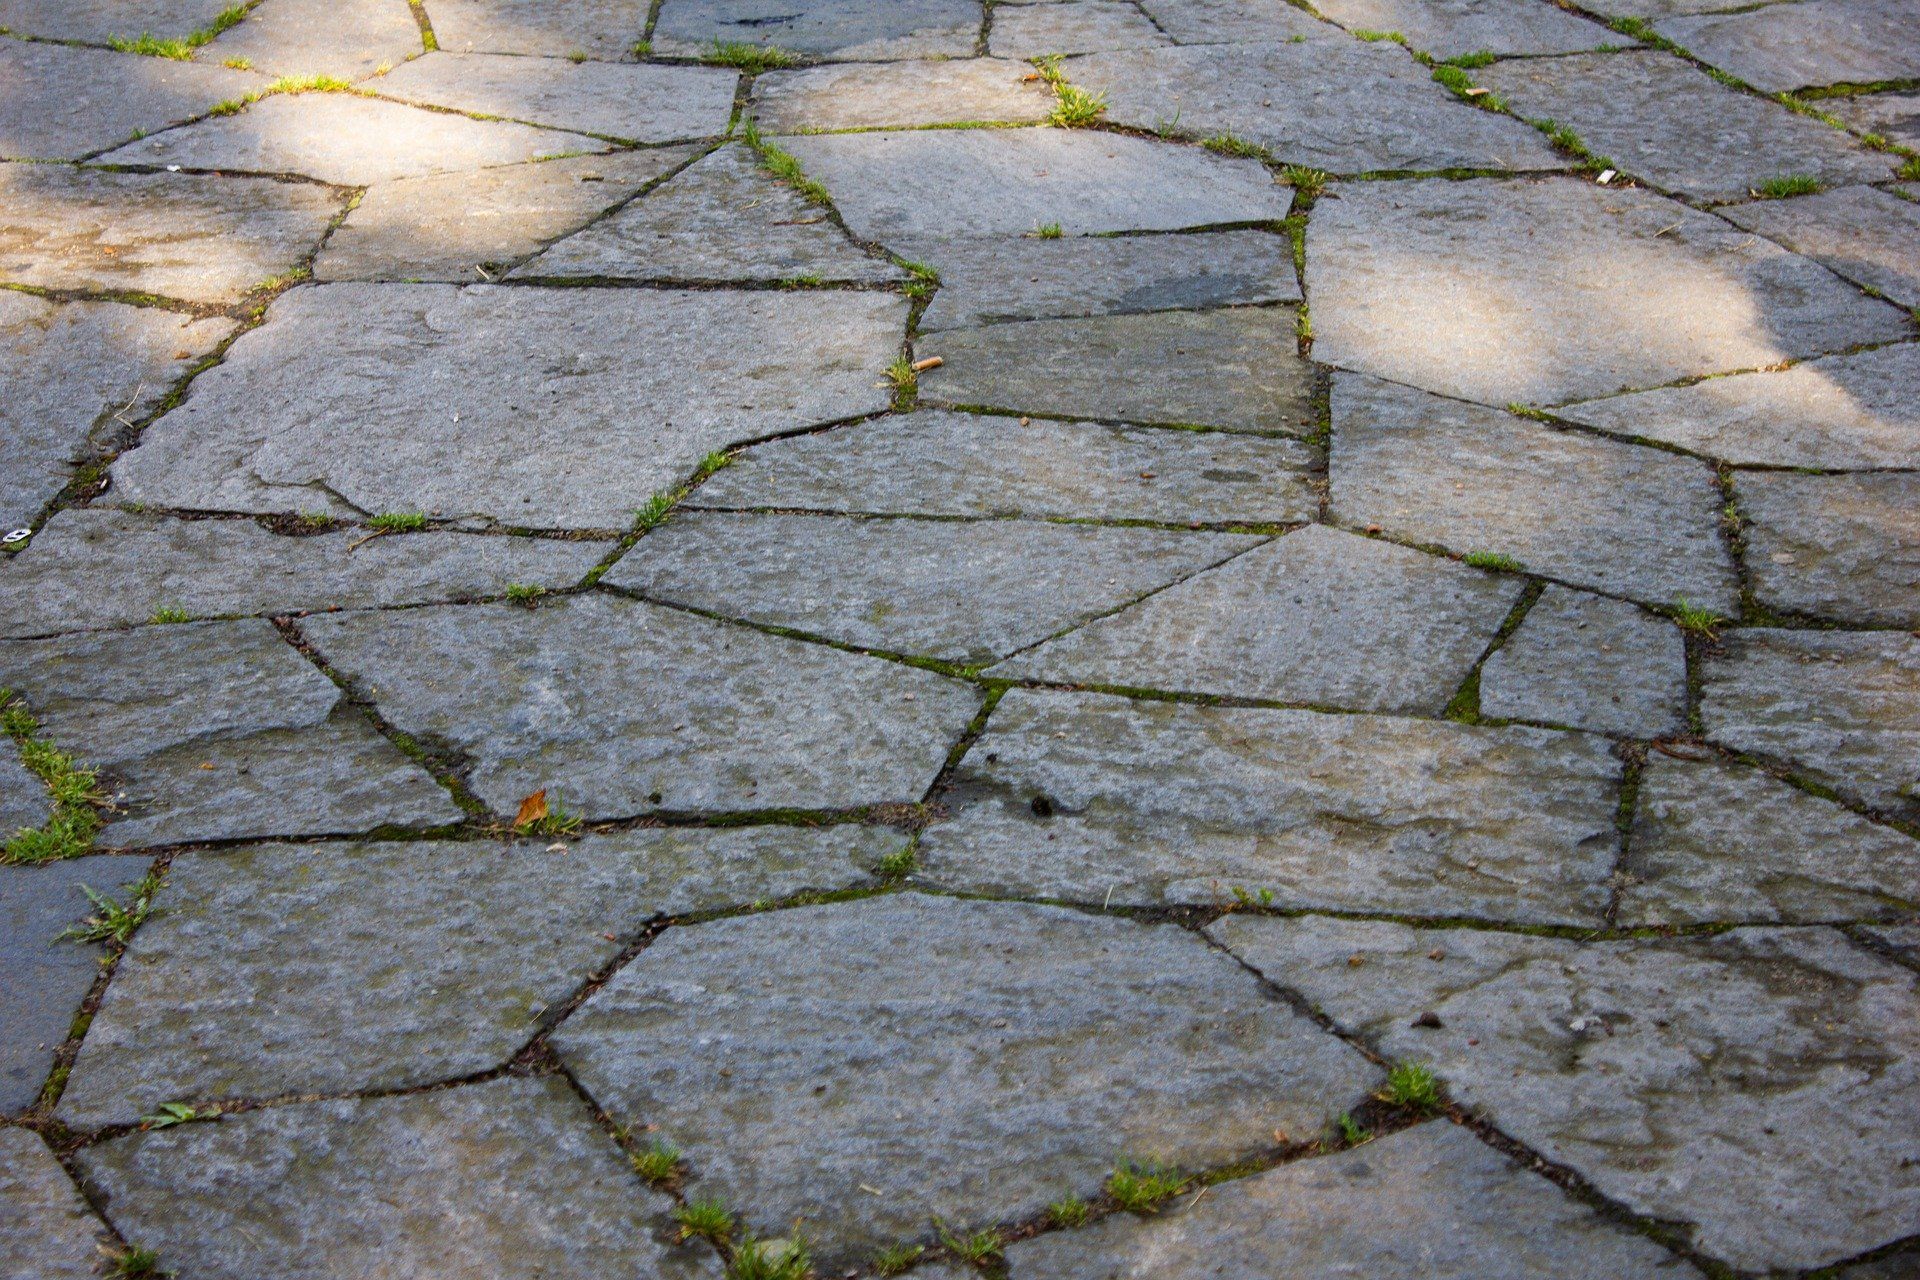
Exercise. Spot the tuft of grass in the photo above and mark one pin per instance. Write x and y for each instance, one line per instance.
(1411, 1084)
(577, 57)
(718, 460)
(751, 58)
(1071, 1212)
(309, 84)
(654, 513)
(1788, 185)
(1472, 61)
(555, 821)
(399, 522)
(238, 64)
(891, 1262)
(643, 49)
(1910, 171)
(1074, 107)
(130, 1263)
(769, 1260)
(166, 615)
(1700, 621)
(180, 50)
(1350, 1131)
(924, 279)
(897, 864)
(169, 1114)
(1372, 37)
(1308, 183)
(1228, 145)
(1047, 231)
(524, 593)
(75, 793)
(707, 1218)
(112, 920)
(782, 165)
(977, 1247)
(1496, 561)
(659, 1164)
(1139, 1188)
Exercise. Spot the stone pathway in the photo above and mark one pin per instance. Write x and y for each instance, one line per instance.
(1044, 639)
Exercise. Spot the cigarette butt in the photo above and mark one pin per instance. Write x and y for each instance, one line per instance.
(931, 362)
(1477, 91)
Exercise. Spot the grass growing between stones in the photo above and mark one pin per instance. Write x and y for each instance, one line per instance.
(1493, 561)
(1074, 107)
(399, 522)
(905, 380)
(179, 50)
(891, 1262)
(751, 58)
(782, 165)
(769, 1260)
(658, 1163)
(1070, 1212)
(1788, 185)
(976, 1248)
(75, 793)
(1411, 1085)
(1140, 1188)
(130, 1261)
(709, 1219)
(112, 920)
(1569, 143)
(168, 616)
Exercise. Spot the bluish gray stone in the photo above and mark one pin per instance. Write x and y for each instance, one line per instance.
(342, 39)
(47, 1232)
(1871, 237)
(1775, 48)
(636, 103)
(1070, 26)
(603, 29)
(1450, 28)
(1845, 547)
(1589, 662)
(64, 102)
(901, 95)
(1233, 21)
(851, 30)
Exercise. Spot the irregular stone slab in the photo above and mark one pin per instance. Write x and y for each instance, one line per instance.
(987, 281)
(625, 707)
(1432, 1201)
(47, 1232)
(1073, 26)
(1843, 547)
(962, 464)
(1714, 841)
(590, 399)
(1904, 941)
(1851, 411)
(1820, 42)
(101, 567)
(347, 39)
(1869, 236)
(999, 182)
(216, 731)
(367, 1186)
(1559, 289)
(849, 30)
(199, 239)
(23, 798)
(48, 977)
(1891, 1266)
(69, 374)
(1450, 28)
(450, 226)
(724, 218)
(634, 103)
(1616, 517)
(347, 139)
(1238, 369)
(1661, 8)
(98, 21)
(900, 95)
(1682, 1078)
(1223, 21)
(1844, 707)
(1891, 115)
(1674, 126)
(1345, 106)
(64, 102)
(275, 970)
(1091, 798)
(788, 1096)
(1590, 663)
(1319, 617)
(967, 592)
(603, 29)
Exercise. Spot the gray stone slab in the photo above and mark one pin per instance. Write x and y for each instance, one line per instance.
(1820, 42)
(967, 592)
(97, 21)
(1238, 369)
(1091, 798)
(216, 731)
(1346, 106)
(69, 373)
(1904, 941)
(199, 239)
(1318, 617)
(1450, 28)
(1674, 126)
(47, 1232)
(900, 95)
(368, 1187)
(1840, 412)
(452, 226)
(64, 102)
(999, 182)
(23, 797)
(1759, 1086)
(985, 281)
(1224, 21)
(723, 218)
(102, 567)
(374, 390)
(1012, 1055)
(1590, 663)
(47, 977)
(1896, 1265)
(1843, 707)
(1715, 841)
(1432, 1201)
(603, 29)
(1664, 8)
(848, 30)
(1891, 115)
(1869, 236)
(282, 970)
(961, 464)
(348, 140)
(1845, 547)
(634, 103)
(625, 707)
(1617, 517)
(1558, 289)
(347, 39)
(1073, 26)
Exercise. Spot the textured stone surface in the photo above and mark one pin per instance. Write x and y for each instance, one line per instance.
(623, 707)
(108, 568)
(1845, 547)
(199, 239)
(1450, 28)
(97, 21)
(46, 1230)
(373, 389)
(1238, 369)
(1869, 236)
(1617, 517)
(1760, 1085)
(1557, 289)
(1844, 707)
(1664, 121)
(1891, 115)
(723, 218)
(1319, 617)
(963, 464)
(602, 29)
(1092, 798)
(1432, 1201)
(1345, 106)
(635, 103)
(900, 95)
(290, 969)
(216, 731)
(853, 30)
(65, 103)
(23, 797)
(1219, 21)
(1819, 42)
(1072, 26)
(1714, 841)
(368, 1188)
(1590, 663)
(1006, 1031)
(966, 592)
(346, 39)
